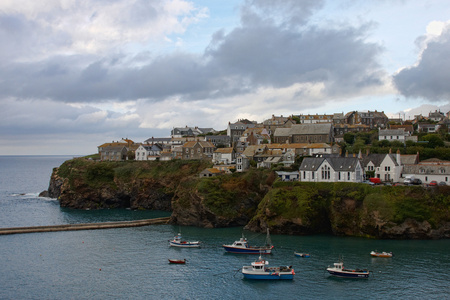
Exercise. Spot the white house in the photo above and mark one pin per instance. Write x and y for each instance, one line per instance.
(224, 156)
(148, 152)
(427, 172)
(390, 168)
(331, 169)
(393, 135)
(288, 176)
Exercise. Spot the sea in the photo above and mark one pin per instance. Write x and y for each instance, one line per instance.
(132, 263)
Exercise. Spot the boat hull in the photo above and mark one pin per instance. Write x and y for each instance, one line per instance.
(184, 245)
(345, 274)
(255, 250)
(301, 254)
(177, 261)
(268, 276)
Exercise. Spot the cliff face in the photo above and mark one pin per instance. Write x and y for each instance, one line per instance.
(356, 210)
(252, 199)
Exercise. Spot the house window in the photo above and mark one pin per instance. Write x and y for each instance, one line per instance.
(442, 171)
(304, 174)
(339, 175)
(426, 178)
(348, 176)
(312, 175)
(422, 170)
(325, 172)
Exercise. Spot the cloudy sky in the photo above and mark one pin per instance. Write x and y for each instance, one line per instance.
(75, 74)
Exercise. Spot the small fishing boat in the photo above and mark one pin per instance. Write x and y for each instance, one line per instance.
(242, 246)
(381, 254)
(178, 242)
(260, 270)
(339, 271)
(301, 254)
(177, 261)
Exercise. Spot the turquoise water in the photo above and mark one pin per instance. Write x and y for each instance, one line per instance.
(132, 263)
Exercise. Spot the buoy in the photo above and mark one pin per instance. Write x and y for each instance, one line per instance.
(99, 269)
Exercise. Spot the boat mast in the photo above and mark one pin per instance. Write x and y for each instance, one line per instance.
(268, 240)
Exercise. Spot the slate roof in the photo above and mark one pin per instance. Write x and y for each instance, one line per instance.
(375, 158)
(324, 128)
(392, 132)
(280, 131)
(338, 163)
(426, 169)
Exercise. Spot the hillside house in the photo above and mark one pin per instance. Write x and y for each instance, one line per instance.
(198, 150)
(148, 152)
(331, 169)
(224, 156)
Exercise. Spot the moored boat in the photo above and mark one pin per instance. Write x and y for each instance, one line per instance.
(260, 270)
(381, 254)
(301, 254)
(177, 261)
(339, 271)
(178, 242)
(242, 246)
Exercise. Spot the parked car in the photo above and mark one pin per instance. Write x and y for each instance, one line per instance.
(442, 183)
(375, 180)
(433, 183)
(416, 181)
(368, 182)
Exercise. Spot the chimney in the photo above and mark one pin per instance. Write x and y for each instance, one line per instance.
(398, 157)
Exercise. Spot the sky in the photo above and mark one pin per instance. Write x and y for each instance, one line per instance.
(77, 74)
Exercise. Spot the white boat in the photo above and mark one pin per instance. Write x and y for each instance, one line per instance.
(260, 270)
(339, 271)
(381, 254)
(178, 242)
(242, 246)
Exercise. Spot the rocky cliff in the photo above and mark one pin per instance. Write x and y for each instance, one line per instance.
(254, 199)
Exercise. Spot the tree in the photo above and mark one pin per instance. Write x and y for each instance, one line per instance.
(349, 138)
(433, 140)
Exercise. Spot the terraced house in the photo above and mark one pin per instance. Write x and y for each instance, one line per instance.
(331, 169)
(198, 150)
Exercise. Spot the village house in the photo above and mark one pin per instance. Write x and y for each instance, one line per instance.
(277, 122)
(311, 133)
(235, 130)
(242, 163)
(374, 119)
(393, 135)
(436, 116)
(255, 136)
(210, 172)
(429, 170)
(224, 156)
(190, 131)
(148, 152)
(116, 151)
(198, 150)
(315, 119)
(427, 128)
(387, 167)
(331, 169)
(219, 141)
(288, 176)
(307, 149)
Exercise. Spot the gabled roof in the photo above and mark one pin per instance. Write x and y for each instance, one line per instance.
(202, 144)
(375, 158)
(339, 164)
(410, 159)
(323, 128)
(224, 150)
(426, 169)
(280, 131)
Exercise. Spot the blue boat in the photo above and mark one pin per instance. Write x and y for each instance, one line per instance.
(242, 246)
(301, 254)
(338, 270)
(260, 270)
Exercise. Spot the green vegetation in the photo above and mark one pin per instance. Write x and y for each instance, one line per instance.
(350, 205)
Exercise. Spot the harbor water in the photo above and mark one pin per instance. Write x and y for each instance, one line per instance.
(132, 263)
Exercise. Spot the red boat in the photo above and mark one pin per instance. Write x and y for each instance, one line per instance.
(177, 261)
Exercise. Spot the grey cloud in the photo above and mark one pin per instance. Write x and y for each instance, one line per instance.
(430, 77)
(262, 52)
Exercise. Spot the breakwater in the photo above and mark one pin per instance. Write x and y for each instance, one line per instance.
(84, 226)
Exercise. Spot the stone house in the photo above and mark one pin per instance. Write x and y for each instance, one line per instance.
(114, 153)
(374, 119)
(393, 135)
(242, 163)
(311, 133)
(277, 122)
(235, 130)
(198, 150)
(210, 172)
